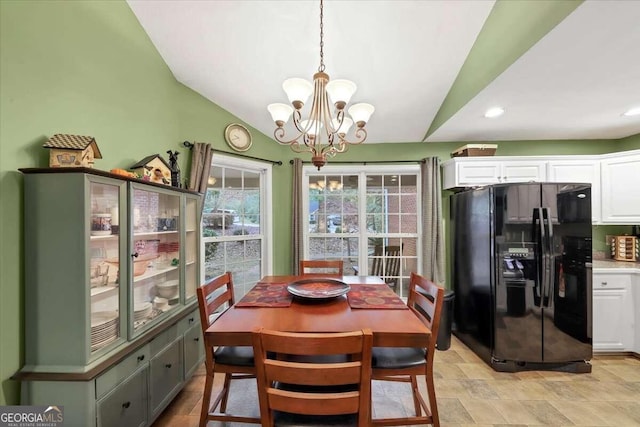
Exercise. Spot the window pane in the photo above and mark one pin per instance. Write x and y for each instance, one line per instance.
(232, 216)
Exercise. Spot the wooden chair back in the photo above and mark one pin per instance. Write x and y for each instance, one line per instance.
(212, 296)
(307, 362)
(321, 266)
(387, 267)
(425, 300)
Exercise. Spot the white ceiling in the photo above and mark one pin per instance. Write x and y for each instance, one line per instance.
(404, 55)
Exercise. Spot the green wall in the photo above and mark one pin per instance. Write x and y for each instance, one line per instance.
(87, 67)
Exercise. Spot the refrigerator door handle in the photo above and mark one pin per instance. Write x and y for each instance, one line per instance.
(548, 251)
(538, 231)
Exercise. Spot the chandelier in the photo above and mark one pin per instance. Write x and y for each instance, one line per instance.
(323, 133)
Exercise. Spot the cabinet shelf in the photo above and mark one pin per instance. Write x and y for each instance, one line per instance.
(153, 233)
(101, 290)
(155, 271)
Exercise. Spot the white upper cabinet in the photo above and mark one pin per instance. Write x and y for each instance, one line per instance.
(474, 171)
(620, 189)
(584, 169)
(615, 193)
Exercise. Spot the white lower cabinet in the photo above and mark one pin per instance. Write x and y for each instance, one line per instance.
(613, 312)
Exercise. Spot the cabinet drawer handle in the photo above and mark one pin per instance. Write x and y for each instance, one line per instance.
(168, 365)
(134, 255)
(604, 283)
(126, 405)
(196, 339)
(141, 358)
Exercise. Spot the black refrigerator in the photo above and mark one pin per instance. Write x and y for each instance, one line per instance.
(521, 272)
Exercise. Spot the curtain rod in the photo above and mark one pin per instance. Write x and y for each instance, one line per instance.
(189, 145)
(365, 162)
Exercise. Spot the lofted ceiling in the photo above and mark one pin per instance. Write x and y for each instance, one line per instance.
(560, 69)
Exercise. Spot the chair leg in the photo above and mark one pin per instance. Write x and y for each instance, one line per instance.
(415, 393)
(225, 392)
(431, 391)
(206, 400)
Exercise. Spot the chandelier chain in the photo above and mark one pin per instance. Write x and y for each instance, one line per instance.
(321, 67)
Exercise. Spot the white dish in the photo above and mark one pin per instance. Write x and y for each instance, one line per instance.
(101, 318)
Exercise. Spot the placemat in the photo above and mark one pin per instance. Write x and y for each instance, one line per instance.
(374, 296)
(266, 295)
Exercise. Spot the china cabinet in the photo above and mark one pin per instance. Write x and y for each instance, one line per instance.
(110, 277)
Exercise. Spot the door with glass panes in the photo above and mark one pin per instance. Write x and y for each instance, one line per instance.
(369, 217)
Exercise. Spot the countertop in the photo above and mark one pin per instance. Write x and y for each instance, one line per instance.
(633, 267)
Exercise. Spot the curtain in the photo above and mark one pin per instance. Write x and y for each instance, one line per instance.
(296, 223)
(201, 154)
(432, 230)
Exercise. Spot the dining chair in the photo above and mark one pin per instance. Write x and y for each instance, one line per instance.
(214, 297)
(405, 364)
(387, 267)
(321, 266)
(313, 378)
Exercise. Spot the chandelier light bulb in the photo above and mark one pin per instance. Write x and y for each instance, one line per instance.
(360, 113)
(346, 125)
(340, 91)
(280, 113)
(298, 91)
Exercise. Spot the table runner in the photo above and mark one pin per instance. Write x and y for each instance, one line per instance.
(266, 295)
(374, 296)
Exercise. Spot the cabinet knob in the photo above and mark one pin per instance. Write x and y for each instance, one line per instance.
(196, 339)
(168, 365)
(134, 255)
(604, 283)
(125, 405)
(141, 358)
(191, 319)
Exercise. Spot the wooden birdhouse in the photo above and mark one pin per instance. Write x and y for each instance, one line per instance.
(154, 169)
(72, 151)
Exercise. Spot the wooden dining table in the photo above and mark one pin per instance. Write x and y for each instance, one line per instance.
(391, 327)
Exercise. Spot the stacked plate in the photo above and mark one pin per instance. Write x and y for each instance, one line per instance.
(104, 328)
(142, 310)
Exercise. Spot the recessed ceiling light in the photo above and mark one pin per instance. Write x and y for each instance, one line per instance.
(494, 112)
(632, 112)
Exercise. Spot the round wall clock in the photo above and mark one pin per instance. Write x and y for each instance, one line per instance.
(238, 137)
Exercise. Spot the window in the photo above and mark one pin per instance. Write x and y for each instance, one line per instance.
(236, 222)
(355, 215)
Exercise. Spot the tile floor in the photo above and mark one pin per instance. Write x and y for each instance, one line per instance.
(471, 393)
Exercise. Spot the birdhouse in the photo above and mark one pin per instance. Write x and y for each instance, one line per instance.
(72, 151)
(154, 169)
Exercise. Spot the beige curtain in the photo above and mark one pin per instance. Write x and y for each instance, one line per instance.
(296, 222)
(432, 230)
(201, 154)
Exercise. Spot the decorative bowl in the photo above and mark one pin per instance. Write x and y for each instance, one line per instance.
(168, 289)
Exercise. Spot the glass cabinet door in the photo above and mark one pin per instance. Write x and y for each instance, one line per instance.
(104, 258)
(191, 247)
(155, 256)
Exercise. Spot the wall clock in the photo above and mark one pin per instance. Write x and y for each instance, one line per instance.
(238, 137)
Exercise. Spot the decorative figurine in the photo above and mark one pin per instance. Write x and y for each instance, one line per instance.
(175, 170)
